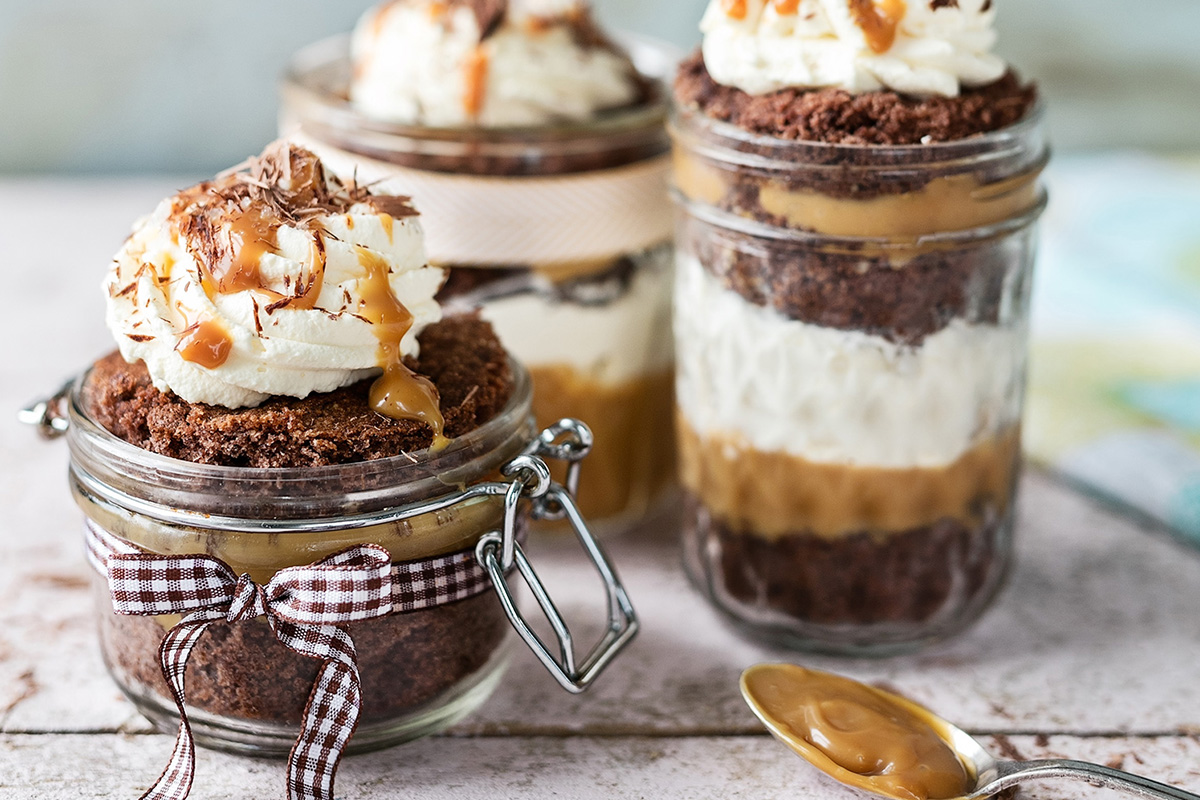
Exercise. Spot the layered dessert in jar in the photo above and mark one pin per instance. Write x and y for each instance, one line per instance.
(535, 148)
(858, 185)
(284, 381)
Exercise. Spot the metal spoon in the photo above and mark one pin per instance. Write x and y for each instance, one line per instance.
(993, 775)
(990, 775)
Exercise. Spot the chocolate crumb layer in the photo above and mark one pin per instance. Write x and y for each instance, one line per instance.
(645, 140)
(241, 670)
(835, 116)
(862, 290)
(862, 579)
(461, 355)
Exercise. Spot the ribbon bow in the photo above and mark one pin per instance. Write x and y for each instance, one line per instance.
(303, 605)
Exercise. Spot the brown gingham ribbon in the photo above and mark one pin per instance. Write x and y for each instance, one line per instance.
(303, 605)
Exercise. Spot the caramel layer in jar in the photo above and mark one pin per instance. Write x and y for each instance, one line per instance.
(263, 554)
(633, 458)
(949, 203)
(775, 494)
(862, 736)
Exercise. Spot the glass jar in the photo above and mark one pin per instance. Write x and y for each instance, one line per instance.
(450, 522)
(851, 344)
(559, 234)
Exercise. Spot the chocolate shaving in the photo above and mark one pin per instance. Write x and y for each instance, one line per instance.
(257, 322)
(287, 182)
(588, 34)
(139, 337)
(396, 206)
(318, 265)
(282, 302)
(936, 4)
(489, 14)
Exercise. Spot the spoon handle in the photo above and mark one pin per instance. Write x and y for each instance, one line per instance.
(1014, 772)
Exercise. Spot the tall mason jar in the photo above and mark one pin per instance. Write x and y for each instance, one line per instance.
(850, 325)
(560, 235)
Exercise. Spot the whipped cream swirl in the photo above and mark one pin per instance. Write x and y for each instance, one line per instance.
(917, 47)
(492, 64)
(262, 282)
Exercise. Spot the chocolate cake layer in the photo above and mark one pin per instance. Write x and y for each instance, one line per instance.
(461, 355)
(865, 578)
(835, 116)
(241, 670)
(860, 289)
(481, 162)
(567, 150)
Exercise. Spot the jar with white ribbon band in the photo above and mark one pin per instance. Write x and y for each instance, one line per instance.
(559, 232)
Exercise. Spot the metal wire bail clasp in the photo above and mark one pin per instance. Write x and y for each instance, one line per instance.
(47, 415)
(552, 500)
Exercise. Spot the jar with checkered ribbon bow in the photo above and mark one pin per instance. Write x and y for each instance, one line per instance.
(322, 610)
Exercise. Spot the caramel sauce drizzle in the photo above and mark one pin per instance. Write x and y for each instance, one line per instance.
(399, 392)
(476, 70)
(205, 343)
(878, 20)
(306, 298)
(735, 9)
(251, 236)
(537, 25)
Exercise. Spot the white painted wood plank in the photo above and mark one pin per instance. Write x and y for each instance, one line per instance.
(56, 767)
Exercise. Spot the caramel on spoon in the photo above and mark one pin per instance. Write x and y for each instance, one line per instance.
(882, 743)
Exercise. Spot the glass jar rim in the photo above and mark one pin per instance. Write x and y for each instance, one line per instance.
(325, 496)
(304, 90)
(736, 146)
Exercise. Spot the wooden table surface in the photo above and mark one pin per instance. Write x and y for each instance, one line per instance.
(1092, 651)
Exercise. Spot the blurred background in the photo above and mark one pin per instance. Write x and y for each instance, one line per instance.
(105, 107)
(153, 86)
